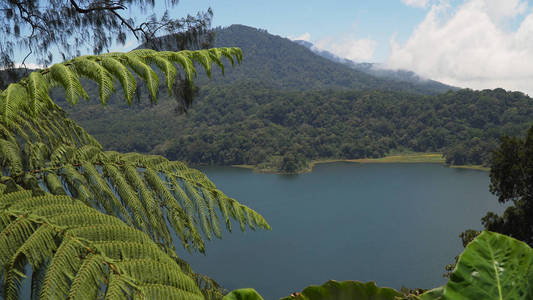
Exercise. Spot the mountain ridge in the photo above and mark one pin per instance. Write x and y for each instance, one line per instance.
(280, 63)
(379, 70)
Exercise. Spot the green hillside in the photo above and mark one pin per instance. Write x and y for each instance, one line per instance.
(279, 63)
(240, 124)
(285, 106)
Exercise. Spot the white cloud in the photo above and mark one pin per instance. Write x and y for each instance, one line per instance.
(415, 3)
(304, 37)
(349, 47)
(28, 65)
(345, 47)
(471, 46)
(128, 45)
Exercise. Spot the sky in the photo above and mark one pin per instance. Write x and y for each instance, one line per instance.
(467, 43)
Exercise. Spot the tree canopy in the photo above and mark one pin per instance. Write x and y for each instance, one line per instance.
(75, 26)
(511, 180)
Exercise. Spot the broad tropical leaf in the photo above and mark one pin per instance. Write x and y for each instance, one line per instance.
(243, 294)
(493, 266)
(345, 290)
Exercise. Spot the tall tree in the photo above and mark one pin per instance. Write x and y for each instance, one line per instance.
(70, 26)
(511, 180)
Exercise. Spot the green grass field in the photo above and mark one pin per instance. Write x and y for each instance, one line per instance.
(434, 158)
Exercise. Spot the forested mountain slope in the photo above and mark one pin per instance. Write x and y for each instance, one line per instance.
(243, 124)
(280, 63)
(285, 106)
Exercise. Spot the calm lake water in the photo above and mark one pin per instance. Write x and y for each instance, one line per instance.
(395, 224)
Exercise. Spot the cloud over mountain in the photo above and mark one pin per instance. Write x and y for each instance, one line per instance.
(472, 45)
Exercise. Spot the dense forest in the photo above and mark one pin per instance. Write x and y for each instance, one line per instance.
(245, 124)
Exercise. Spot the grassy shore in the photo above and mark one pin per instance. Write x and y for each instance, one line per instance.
(472, 167)
(435, 158)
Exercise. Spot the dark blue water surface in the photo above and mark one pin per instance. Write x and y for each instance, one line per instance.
(395, 224)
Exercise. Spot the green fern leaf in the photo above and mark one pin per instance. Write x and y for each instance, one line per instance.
(184, 60)
(11, 99)
(167, 68)
(69, 81)
(123, 75)
(38, 90)
(87, 67)
(145, 72)
(86, 250)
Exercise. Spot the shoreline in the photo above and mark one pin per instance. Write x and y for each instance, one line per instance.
(432, 158)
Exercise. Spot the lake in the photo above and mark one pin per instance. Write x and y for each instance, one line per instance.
(395, 224)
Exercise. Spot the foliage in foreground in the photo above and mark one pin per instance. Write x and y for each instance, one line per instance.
(74, 249)
(68, 205)
(492, 267)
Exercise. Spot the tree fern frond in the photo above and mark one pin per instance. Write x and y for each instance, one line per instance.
(123, 75)
(117, 288)
(127, 195)
(35, 155)
(32, 93)
(235, 51)
(166, 67)
(184, 60)
(84, 250)
(215, 55)
(201, 208)
(204, 58)
(25, 122)
(8, 199)
(38, 90)
(212, 213)
(69, 81)
(144, 71)
(37, 278)
(76, 183)
(109, 201)
(90, 276)
(157, 199)
(85, 153)
(10, 157)
(86, 66)
(154, 213)
(223, 207)
(39, 246)
(7, 134)
(54, 184)
(11, 99)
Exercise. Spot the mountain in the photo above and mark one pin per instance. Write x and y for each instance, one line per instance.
(277, 62)
(380, 71)
(285, 106)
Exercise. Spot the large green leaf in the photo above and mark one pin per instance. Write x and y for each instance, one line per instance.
(346, 290)
(434, 294)
(243, 294)
(493, 266)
